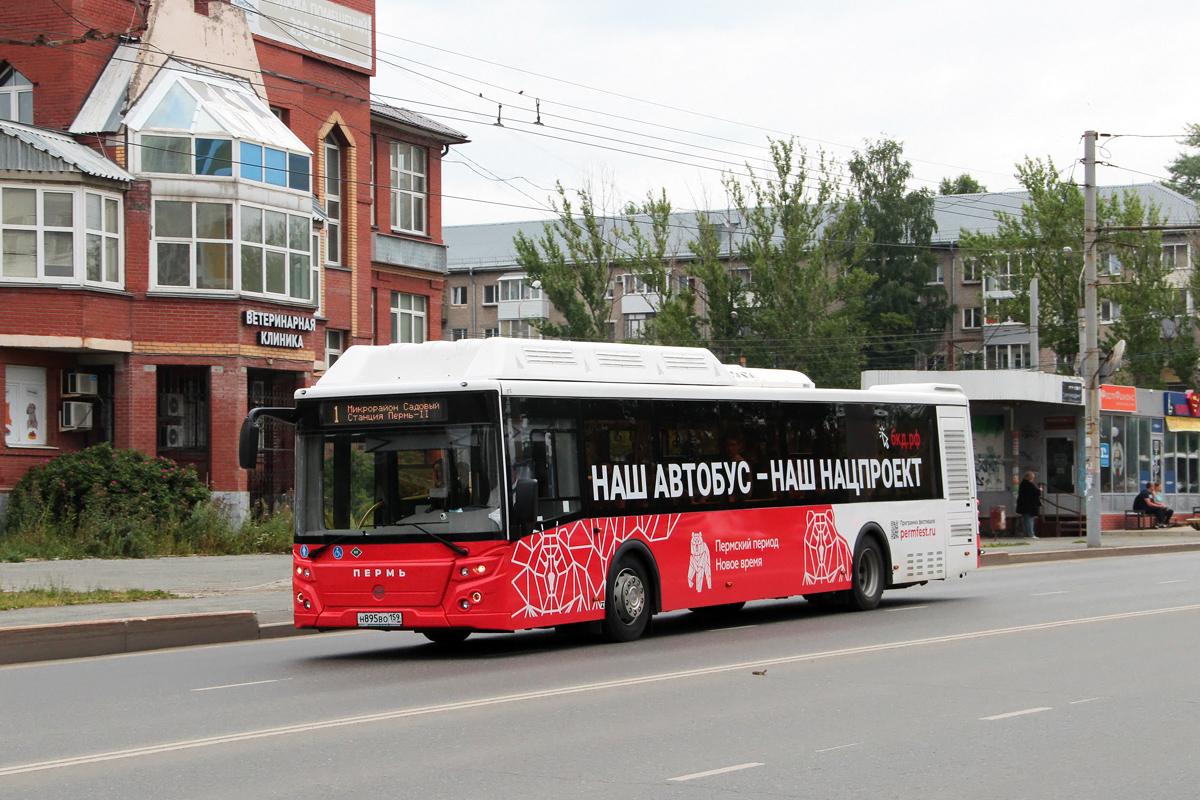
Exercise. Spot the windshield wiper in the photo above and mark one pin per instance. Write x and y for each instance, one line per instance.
(462, 551)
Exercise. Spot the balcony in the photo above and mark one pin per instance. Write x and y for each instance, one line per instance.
(399, 251)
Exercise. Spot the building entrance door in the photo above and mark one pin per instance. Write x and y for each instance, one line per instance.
(1060, 464)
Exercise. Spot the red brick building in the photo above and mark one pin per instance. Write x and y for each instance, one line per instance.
(200, 208)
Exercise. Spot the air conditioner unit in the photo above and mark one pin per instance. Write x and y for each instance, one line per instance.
(82, 383)
(76, 416)
(174, 436)
(172, 405)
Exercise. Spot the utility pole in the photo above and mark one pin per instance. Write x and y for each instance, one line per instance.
(1091, 346)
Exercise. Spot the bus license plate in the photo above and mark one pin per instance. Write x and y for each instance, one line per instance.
(380, 619)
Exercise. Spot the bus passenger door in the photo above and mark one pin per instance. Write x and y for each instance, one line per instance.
(958, 480)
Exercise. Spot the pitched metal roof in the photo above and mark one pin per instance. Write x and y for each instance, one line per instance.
(104, 108)
(490, 246)
(415, 120)
(25, 148)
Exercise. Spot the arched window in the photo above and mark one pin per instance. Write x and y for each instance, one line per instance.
(16, 96)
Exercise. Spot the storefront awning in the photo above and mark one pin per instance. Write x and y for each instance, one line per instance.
(1183, 424)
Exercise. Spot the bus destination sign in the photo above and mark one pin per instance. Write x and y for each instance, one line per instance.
(384, 411)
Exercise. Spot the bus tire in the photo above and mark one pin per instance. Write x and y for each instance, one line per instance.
(446, 635)
(867, 576)
(627, 604)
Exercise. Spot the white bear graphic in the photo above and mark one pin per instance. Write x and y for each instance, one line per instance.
(699, 565)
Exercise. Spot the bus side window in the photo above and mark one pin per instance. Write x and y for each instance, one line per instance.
(542, 444)
(750, 433)
(616, 433)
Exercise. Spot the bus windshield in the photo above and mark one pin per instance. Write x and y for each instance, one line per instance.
(394, 481)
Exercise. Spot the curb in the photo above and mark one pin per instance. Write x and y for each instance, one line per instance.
(989, 559)
(109, 637)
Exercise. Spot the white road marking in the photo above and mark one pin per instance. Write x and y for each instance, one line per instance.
(236, 685)
(1088, 700)
(1047, 594)
(1180, 580)
(720, 771)
(582, 688)
(840, 747)
(732, 628)
(905, 608)
(1018, 713)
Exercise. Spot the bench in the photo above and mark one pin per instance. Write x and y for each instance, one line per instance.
(1140, 520)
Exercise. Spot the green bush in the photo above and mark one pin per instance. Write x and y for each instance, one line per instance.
(106, 503)
(107, 482)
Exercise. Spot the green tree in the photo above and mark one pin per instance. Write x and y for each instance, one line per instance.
(963, 184)
(803, 307)
(648, 239)
(904, 311)
(1185, 169)
(723, 293)
(1044, 241)
(1159, 335)
(573, 259)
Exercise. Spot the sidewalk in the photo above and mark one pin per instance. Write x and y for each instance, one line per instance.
(235, 598)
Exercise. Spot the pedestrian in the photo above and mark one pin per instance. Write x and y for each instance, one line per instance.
(1147, 502)
(1166, 512)
(1029, 503)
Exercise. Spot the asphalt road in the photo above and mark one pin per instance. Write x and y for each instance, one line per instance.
(1059, 680)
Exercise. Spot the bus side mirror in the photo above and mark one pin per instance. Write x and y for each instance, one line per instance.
(525, 493)
(248, 444)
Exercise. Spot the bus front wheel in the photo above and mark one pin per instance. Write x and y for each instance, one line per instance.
(627, 609)
(866, 584)
(446, 635)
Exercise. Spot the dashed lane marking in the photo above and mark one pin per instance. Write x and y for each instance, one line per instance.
(582, 688)
(1020, 713)
(839, 747)
(721, 771)
(237, 685)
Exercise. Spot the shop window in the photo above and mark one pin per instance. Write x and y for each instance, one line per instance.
(408, 317)
(409, 187)
(60, 235)
(16, 97)
(26, 416)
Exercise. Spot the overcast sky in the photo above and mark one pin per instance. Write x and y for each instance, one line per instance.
(966, 86)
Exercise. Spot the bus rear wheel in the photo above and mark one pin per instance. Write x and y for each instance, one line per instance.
(867, 580)
(446, 635)
(627, 608)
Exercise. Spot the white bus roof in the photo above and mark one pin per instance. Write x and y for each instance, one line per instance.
(501, 358)
(375, 369)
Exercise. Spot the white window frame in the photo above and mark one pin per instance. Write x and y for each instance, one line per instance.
(108, 236)
(14, 87)
(518, 289)
(489, 333)
(938, 274)
(1007, 356)
(458, 334)
(409, 179)
(1006, 270)
(972, 318)
(333, 202)
(1109, 311)
(409, 325)
(458, 295)
(25, 387)
(298, 271)
(491, 294)
(518, 329)
(635, 325)
(335, 345)
(972, 270)
(1173, 260)
(1109, 264)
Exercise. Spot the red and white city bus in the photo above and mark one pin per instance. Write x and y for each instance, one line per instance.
(505, 484)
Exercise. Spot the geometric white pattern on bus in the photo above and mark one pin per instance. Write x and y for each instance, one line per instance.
(827, 557)
(564, 569)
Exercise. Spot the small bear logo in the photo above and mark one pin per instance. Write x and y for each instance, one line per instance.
(700, 567)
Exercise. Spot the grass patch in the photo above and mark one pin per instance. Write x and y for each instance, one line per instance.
(56, 596)
(1005, 544)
